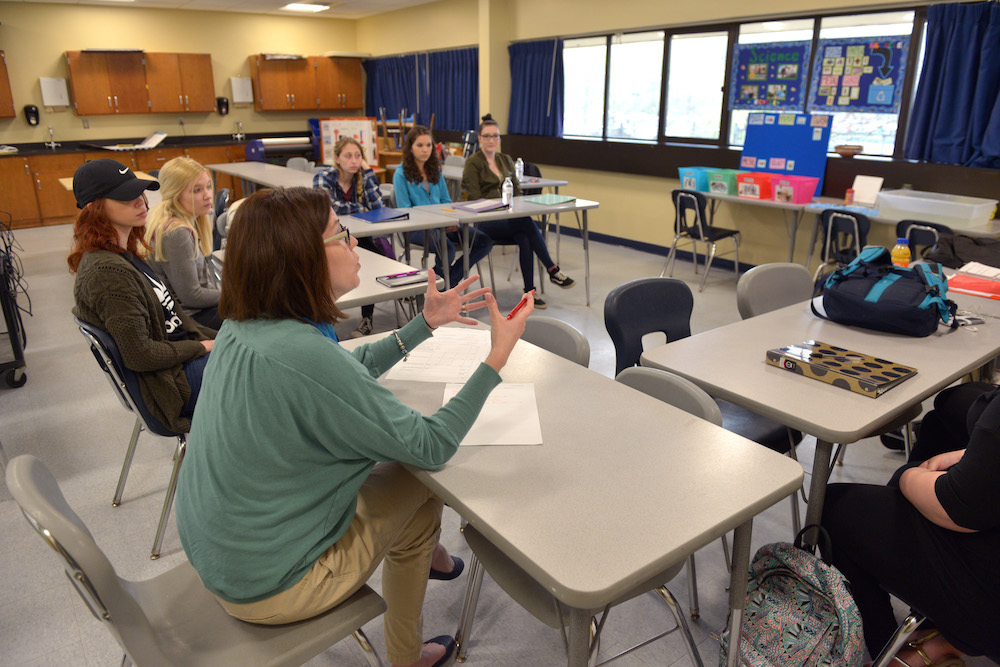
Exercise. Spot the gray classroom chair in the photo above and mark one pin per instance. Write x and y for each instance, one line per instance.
(772, 286)
(172, 619)
(558, 337)
(300, 163)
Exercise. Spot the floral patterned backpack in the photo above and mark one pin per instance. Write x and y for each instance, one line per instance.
(799, 611)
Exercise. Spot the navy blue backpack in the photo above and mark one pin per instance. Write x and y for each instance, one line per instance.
(873, 294)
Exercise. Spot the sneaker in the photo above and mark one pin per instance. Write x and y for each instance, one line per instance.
(560, 278)
(365, 328)
(539, 304)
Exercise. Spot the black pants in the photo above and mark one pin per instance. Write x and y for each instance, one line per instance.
(945, 428)
(882, 543)
(209, 317)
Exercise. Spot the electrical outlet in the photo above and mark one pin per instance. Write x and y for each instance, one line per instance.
(180, 121)
(86, 124)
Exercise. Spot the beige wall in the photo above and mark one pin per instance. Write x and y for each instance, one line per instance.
(447, 24)
(35, 36)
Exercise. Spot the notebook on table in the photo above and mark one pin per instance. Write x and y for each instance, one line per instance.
(857, 372)
(150, 142)
(384, 214)
(479, 205)
(550, 200)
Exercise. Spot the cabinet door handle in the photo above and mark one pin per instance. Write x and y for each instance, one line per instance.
(116, 101)
(288, 98)
(293, 99)
(39, 182)
(180, 99)
(186, 100)
(110, 106)
(26, 170)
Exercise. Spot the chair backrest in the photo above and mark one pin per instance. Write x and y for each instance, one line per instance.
(695, 202)
(221, 200)
(673, 389)
(558, 337)
(388, 194)
(845, 233)
(124, 381)
(300, 163)
(37, 493)
(531, 169)
(771, 286)
(643, 306)
(920, 233)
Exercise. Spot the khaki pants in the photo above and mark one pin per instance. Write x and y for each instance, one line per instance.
(397, 519)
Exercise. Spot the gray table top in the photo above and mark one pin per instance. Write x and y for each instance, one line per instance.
(728, 362)
(425, 217)
(454, 173)
(623, 488)
(263, 173)
(520, 208)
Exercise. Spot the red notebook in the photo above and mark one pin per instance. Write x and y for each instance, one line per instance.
(966, 284)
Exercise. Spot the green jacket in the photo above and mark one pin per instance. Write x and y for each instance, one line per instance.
(112, 294)
(479, 181)
(289, 425)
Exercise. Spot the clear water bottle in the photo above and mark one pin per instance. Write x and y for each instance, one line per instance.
(519, 170)
(507, 192)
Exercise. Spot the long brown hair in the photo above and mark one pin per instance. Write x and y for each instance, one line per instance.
(275, 260)
(432, 168)
(93, 231)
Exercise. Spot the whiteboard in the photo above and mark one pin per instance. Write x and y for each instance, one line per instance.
(362, 129)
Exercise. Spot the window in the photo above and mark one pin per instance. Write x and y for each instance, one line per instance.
(634, 88)
(695, 80)
(584, 66)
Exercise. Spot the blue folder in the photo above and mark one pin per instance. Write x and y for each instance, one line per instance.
(384, 214)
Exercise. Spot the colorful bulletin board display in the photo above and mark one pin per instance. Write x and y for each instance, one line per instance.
(771, 76)
(790, 144)
(859, 74)
(362, 129)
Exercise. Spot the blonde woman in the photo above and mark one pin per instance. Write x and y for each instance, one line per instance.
(179, 231)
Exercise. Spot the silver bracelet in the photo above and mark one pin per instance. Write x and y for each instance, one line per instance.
(402, 348)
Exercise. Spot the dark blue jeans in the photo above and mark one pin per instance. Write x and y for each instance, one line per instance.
(479, 247)
(524, 233)
(193, 372)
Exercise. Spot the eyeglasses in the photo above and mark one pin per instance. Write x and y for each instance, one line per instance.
(491, 137)
(344, 233)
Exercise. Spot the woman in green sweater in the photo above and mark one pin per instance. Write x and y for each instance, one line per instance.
(293, 492)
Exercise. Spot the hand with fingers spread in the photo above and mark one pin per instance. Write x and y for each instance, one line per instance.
(452, 305)
(504, 332)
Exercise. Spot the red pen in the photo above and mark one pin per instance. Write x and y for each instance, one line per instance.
(521, 304)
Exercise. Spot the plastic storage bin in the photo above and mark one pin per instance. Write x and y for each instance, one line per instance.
(754, 185)
(723, 181)
(951, 210)
(694, 178)
(794, 189)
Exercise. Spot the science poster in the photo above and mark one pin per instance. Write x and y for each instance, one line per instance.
(859, 74)
(770, 77)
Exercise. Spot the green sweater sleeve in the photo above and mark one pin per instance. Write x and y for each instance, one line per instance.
(380, 356)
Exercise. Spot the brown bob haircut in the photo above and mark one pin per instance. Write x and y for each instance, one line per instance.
(275, 259)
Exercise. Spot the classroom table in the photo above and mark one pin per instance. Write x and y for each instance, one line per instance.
(623, 487)
(253, 174)
(521, 208)
(796, 211)
(369, 290)
(728, 363)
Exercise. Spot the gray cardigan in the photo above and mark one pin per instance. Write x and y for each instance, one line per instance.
(185, 271)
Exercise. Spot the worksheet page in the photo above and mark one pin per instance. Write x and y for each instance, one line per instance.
(509, 416)
(450, 355)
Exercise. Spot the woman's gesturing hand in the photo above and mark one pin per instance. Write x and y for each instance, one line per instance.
(452, 305)
(504, 333)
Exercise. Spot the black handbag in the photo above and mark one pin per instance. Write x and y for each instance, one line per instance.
(873, 294)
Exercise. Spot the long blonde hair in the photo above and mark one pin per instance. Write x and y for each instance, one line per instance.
(174, 177)
(338, 148)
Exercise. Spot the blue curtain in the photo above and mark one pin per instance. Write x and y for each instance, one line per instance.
(956, 114)
(391, 83)
(452, 89)
(536, 88)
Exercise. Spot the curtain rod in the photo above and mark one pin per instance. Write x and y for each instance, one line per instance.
(420, 53)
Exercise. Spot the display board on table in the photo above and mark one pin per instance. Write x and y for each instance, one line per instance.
(770, 76)
(789, 144)
(859, 74)
(361, 129)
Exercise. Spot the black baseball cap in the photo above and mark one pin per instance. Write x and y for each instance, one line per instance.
(105, 178)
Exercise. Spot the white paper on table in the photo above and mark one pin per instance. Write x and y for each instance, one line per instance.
(450, 355)
(509, 416)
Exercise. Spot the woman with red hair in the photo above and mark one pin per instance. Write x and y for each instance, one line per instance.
(118, 292)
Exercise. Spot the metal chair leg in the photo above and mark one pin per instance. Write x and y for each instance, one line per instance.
(905, 629)
(468, 610)
(693, 588)
(370, 655)
(907, 439)
(682, 625)
(127, 464)
(708, 264)
(669, 263)
(3, 458)
(168, 502)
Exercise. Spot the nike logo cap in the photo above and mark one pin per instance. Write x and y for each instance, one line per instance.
(106, 178)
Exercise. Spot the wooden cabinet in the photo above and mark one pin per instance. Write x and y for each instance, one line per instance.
(19, 191)
(154, 158)
(106, 82)
(180, 82)
(56, 204)
(6, 98)
(317, 82)
(338, 83)
(282, 84)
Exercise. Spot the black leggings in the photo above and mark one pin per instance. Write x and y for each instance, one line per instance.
(945, 428)
(524, 232)
(882, 543)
